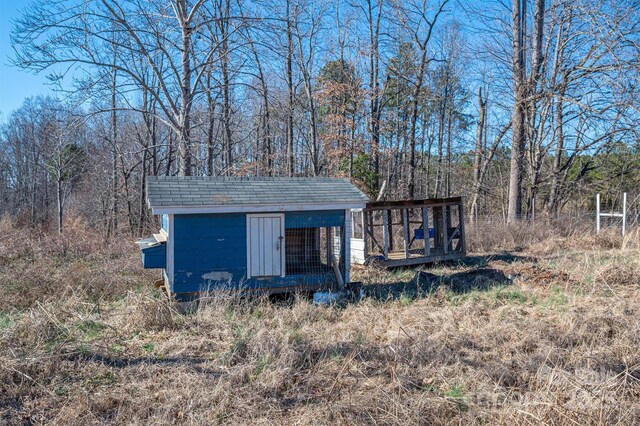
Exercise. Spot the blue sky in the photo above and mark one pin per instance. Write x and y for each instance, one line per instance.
(15, 84)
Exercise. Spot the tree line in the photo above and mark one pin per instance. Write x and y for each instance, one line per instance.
(522, 106)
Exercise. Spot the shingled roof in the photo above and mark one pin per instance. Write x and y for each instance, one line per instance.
(191, 192)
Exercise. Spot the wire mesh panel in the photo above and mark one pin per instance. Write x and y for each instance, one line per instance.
(312, 250)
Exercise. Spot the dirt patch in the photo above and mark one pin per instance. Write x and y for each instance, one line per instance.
(536, 275)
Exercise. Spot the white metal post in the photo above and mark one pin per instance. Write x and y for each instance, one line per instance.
(597, 213)
(624, 213)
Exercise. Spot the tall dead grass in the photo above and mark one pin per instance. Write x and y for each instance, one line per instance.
(558, 345)
(39, 266)
(546, 236)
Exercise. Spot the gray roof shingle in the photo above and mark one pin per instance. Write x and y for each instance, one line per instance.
(193, 191)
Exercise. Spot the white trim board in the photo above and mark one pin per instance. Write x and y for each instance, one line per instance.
(170, 252)
(255, 208)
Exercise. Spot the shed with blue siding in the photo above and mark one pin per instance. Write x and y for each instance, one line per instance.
(254, 233)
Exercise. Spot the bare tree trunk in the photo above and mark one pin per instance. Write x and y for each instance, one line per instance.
(422, 66)
(184, 142)
(115, 185)
(517, 119)
(143, 185)
(554, 194)
(449, 131)
(292, 166)
(60, 201)
(479, 151)
(306, 62)
(211, 107)
(226, 100)
(535, 131)
(442, 119)
(374, 84)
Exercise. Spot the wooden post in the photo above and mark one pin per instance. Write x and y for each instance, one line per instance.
(370, 217)
(463, 242)
(385, 231)
(437, 227)
(390, 226)
(329, 244)
(445, 231)
(365, 237)
(405, 226)
(597, 213)
(425, 231)
(353, 224)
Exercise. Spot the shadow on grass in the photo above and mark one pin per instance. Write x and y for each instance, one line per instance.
(481, 279)
(194, 363)
(482, 261)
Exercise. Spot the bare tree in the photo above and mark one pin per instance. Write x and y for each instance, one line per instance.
(518, 117)
(415, 19)
(49, 34)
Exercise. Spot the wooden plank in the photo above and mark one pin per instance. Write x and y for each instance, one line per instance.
(385, 232)
(425, 230)
(405, 226)
(264, 245)
(329, 243)
(365, 237)
(161, 237)
(371, 233)
(283, 247)
(445, 240)
(431, 202)
(275, 232)
(171, 241)
(463, 237)
(336, 271)
(390, 227)
(269, 246)
(422, 260)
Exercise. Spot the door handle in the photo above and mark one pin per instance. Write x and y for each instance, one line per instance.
(280, 238)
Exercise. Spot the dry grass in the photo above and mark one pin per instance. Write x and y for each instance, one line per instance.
(558, 343)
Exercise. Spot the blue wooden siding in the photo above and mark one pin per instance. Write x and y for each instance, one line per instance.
(314, 219)
(154, 257)
(211, 250)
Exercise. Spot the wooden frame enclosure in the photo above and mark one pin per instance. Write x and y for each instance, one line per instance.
(408, 232)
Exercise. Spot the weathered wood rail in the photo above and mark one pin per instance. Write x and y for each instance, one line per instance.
(408, 232)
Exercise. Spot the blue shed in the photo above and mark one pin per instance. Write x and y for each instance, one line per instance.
(271, 234)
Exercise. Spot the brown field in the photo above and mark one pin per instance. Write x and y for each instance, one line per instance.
(538, 326)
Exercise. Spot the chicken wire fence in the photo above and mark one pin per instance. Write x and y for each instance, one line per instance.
(314, 250)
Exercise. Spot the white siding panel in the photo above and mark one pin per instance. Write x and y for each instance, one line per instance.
(254, 247)
(275, 261)
(357, 251)
(267, 243)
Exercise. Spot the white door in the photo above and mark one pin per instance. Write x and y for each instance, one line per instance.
(265, 245)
